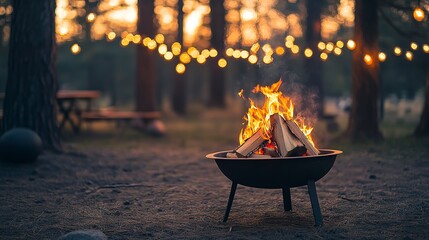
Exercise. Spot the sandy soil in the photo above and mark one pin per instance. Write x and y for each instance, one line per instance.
(131, 186)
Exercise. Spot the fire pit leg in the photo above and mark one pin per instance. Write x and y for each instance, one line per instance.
(315, 203)
(287, 202)
(231, 198)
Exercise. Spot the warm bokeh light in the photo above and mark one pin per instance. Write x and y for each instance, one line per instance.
(176, 48)
(125, 42)
(244, 54)
(280, 51)
(159, 38)
(222, 62)
(367, 59)
(397, 51)
(289, 44)
(409, 55)
(340, 44)
(213, 53)
(136, 39)
(201, 59)
(111, 36)
(205, 53)
(253, 59)
(162, 49)
(308, 52)
(229, 52)
(426, 48)
(418, 14)
(267, 59)
(185, 58)
(329, 46)
(90, 17)
(414, 45)
(323, 56)
(255, 48)
(75, 49)
(180, 68)
(151, 44)
(321, 46)
(382, 56)
(295, 49)
(168, 56)
(351, 44)
(337, 51)
(236, 53)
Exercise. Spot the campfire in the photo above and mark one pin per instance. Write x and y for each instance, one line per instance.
(276, 151)
(272, 130)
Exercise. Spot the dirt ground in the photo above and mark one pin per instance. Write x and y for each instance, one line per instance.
(131, 186)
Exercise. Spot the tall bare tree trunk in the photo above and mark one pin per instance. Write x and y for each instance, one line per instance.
(31, 87)
(178, 100)
(423, 127)
(145, 92)
(363, 121)
(217, 75)
(314, 63)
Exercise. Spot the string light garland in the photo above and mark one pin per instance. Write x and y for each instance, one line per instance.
(265, 53)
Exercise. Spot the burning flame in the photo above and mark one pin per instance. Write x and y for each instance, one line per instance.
(275, 102)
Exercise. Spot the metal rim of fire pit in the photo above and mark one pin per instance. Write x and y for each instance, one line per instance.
(275, 173)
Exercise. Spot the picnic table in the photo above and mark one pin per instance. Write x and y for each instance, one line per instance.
(72, 112)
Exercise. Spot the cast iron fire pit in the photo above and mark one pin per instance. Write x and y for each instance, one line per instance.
(280, 172)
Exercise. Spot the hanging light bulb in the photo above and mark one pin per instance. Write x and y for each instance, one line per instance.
(418, 14)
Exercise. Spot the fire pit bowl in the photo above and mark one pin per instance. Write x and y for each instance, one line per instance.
(273, 173)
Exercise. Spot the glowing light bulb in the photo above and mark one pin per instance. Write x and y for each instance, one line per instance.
(222, 62)
(159, 38)
(137, 38)
(426, 48)
(180, 68)
(185, 58)
(321, 46)
(253, 59)
(351, 44)
(111, 36)
(414, 45)
(397, 51)
(151, 45)
(162, 49)
(236, 53)
(329, 47)
(295, 49)
(308, 52)
(168, 56)
(323, 56)
(176, 48)
(382, 56)
(75, 49)
(419, 14)
(213, 53)
(409, 55)
(229, 52)
(146, 41)
(90, 17)
(201, 59)
(267, 59)
(244, 54)
(280, 51)
(340, 44)
(289, 38)
(255, 47)
(337, 51)
(125, 42)
(367, 59)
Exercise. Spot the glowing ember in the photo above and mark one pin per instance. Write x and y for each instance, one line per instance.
(275, 102)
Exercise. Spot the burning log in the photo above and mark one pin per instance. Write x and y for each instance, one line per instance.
(250, 145)
(287, 143)
(311, 150)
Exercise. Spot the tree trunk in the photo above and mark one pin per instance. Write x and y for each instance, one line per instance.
(178, 100)
(145, 91)
(423, 127)
(313, 65)
(363, 122)
(217, 75)
(31, 87)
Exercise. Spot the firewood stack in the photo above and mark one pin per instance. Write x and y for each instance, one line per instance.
(287, 137)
